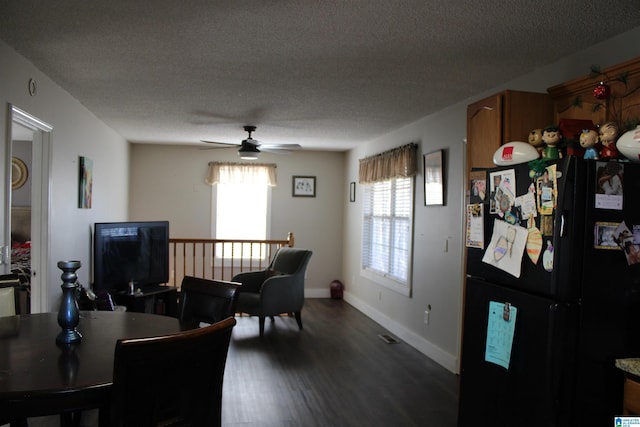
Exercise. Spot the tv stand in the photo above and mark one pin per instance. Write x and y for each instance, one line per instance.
(156, 299)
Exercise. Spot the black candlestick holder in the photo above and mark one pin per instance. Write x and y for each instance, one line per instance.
(69, 315)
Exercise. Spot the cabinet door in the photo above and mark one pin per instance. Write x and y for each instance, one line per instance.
(523, 112)
(504, 117)
(631, 404)
(484, 131)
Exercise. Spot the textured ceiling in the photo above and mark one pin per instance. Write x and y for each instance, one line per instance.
(325, 74)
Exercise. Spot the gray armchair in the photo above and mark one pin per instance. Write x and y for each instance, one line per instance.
(278, 289)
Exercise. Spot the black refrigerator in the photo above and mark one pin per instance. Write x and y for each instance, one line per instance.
(552, 293)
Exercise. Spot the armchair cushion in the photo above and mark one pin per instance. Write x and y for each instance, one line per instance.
(251, 280)
(270, 272)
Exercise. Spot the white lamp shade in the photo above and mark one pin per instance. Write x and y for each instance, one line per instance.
(248, 155)
(515, 152)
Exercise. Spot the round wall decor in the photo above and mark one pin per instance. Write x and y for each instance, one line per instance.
(19, 173)
(33, 87)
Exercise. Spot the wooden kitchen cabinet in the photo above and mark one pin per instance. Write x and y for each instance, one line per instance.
(575, 99)
(631, 403)
(504, 117)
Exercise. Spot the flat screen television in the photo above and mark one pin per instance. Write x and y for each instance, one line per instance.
(130, 251)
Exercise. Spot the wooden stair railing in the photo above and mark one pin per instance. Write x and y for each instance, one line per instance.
(220, 259)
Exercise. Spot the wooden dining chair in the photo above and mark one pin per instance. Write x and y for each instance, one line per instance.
(10, 287)
(209, 301)
(173, 380)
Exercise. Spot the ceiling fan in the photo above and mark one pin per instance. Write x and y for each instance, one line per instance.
(250, 148)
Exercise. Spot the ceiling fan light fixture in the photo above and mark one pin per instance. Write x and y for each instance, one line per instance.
(248, 152)
(248, 156)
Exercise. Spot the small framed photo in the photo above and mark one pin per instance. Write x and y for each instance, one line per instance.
(304, 186)
(352, 192)
(433, 178)
(605, 235)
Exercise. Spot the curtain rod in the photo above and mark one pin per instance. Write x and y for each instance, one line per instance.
(391, 150)
(242, 164)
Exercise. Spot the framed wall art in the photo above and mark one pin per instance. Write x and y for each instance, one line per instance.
(304, 186)
(85, 183)
(19, 173)
(433, 178)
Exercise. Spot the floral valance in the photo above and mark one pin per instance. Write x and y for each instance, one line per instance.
(241, 173)
(395, 163)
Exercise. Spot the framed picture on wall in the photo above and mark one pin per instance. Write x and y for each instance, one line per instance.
(85, 183)
(433, 178)
(304, 186)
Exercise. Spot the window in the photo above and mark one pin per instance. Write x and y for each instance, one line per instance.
(387, 232)
(241, 211)
(241, 206)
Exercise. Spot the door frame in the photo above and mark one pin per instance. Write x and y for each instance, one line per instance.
(40, 201)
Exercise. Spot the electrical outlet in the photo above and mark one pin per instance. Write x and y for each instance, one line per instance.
(427, 314)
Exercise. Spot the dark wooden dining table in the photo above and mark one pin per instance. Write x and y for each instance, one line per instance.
(40, 377)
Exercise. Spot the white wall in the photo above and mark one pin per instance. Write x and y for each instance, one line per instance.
(437, 245)
(438, 278)
(167, 183)
(76, 132)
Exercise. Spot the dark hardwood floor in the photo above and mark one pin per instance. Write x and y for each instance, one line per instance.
(336, 372)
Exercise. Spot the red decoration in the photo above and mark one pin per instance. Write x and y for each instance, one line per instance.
(336, 289)
(602, 91)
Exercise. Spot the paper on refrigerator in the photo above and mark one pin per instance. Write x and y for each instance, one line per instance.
(475, 226)
(506, 248)
(501, 326)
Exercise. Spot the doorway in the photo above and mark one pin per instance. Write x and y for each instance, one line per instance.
(26, 227)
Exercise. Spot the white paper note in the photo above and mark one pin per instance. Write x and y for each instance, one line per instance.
(506, 248)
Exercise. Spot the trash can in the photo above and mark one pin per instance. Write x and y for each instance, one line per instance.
(337, 289)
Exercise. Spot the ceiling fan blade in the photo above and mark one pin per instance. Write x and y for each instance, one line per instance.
(212, 147)
(275, 149)
(281, 146)
(221, 143)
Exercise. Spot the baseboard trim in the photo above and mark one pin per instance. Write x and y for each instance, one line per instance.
(446, 360)
(317, 293)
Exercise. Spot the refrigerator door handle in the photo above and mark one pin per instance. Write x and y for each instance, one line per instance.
(563, 229)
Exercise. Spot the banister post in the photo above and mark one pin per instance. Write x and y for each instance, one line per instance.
(290, 239)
